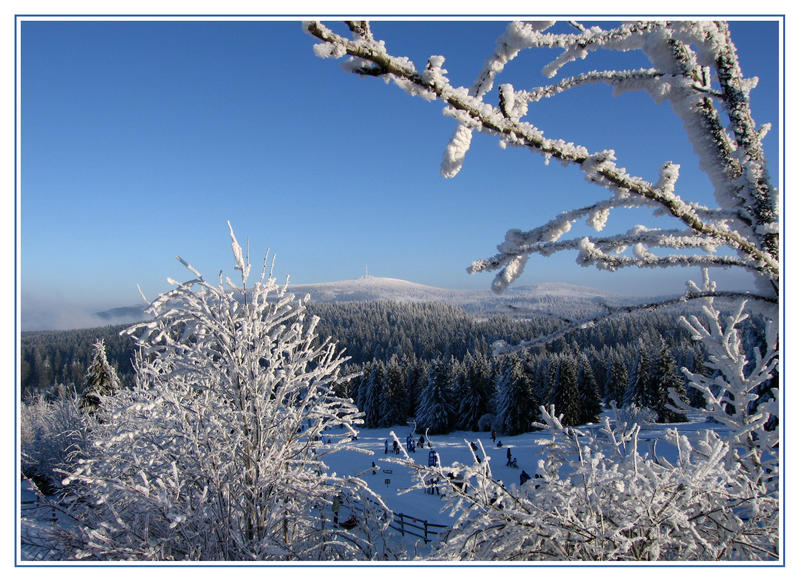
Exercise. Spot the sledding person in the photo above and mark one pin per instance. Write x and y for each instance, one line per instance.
(421, 442)
(499, 444)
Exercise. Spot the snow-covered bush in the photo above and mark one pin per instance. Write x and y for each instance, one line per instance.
(737, 391)
(52, 430)
(217, 452)
(632, 414)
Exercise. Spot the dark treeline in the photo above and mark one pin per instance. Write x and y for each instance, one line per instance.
(432, 363)
(49, 358)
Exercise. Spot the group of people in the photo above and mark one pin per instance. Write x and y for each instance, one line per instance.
(511, 461)
(411, 445)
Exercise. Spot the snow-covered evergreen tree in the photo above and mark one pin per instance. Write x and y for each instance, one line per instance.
(217, 452)
(590, 403)
(638, 393)
(565, 395)
(434, 412)
(101, 378)
(617, 382)
(474, 400)
(666, 386)
(394, 409)
(374, 395)
(517, 407)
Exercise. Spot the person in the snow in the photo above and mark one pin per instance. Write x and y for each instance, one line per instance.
(386, 446)
(337, 504)
(508, 456)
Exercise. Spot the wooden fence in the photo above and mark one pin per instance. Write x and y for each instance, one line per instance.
(421, 528)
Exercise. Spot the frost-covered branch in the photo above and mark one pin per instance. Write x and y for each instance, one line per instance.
(747, 218)
(502, 347)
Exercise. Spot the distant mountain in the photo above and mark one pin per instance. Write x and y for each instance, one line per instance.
(123, 314)
(369, 288)
(563, 298)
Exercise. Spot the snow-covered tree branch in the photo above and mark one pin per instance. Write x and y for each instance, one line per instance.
(683, 55)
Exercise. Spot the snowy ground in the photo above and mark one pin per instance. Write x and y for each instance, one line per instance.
(391, 479)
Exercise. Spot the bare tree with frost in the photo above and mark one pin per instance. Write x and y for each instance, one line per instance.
(597, 496)
(217, 452)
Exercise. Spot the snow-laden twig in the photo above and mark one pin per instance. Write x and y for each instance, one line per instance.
(679, 75)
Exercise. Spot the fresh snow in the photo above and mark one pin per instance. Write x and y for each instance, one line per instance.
(454, 447)
(391, 480)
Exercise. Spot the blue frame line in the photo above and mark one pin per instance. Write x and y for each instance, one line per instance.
(782, 564)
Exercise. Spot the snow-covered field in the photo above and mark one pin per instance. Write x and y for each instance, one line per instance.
(390, 479)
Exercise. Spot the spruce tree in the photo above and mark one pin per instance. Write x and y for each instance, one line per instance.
(394, 397)
(434, 412)
(665, 382)
(101, 378)
(475, 399)
(617, 382)
(373, 402)
(517, 407)
(566, 397)
(591, 407)
(637, 394)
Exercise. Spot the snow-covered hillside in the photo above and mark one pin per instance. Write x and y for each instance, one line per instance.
(562, 298)
(369, 288)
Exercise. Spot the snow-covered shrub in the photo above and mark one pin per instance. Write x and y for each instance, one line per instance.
(217, 452)
(736, 390)
(632, 414)
(52, 430)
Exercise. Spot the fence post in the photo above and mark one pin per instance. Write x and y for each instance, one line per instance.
(402, 525)
(426, 531)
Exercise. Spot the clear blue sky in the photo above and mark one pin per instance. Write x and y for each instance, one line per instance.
(140, 139)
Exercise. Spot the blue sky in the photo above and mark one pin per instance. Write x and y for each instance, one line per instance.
(140, 139)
